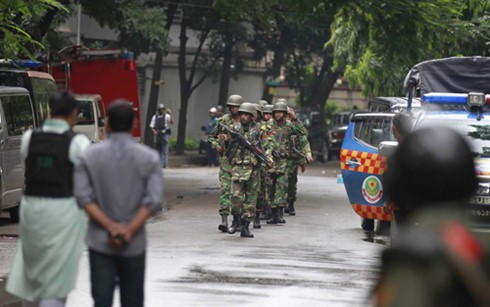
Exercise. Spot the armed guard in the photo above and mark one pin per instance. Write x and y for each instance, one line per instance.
(280, 133)
(263, 209)
(219, 140)
(300, 155)
(245, 169)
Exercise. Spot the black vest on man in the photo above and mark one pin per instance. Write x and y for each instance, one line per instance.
(160, 123)
(49, 171)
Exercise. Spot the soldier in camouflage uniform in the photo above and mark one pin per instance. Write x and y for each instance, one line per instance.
(299, 141)
(279, 133)
(265, 209)
(245, 171)
(262, 194)
(219, 140)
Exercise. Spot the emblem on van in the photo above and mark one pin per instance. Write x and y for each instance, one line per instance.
(372, 189)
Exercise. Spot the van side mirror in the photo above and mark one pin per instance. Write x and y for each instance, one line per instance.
(101, 122)
(387, 148)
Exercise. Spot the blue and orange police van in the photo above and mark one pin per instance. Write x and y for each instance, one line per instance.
(453, 92)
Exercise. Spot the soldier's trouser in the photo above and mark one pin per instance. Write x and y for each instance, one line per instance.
(278, 190)
(244, 196)
(292, 183)
(225, 185)
(262, 194)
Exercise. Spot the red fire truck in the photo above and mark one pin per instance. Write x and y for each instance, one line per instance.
(110, 73)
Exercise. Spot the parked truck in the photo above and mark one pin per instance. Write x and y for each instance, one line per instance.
(110, 73)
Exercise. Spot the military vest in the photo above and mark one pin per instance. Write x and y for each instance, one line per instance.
(49, 171)
(240, 154)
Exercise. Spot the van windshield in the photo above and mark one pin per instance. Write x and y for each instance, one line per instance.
(42, 89)
(477, 133)
(341, 119)
(85, 113)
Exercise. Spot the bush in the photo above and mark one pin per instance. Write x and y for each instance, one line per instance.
(189, 144)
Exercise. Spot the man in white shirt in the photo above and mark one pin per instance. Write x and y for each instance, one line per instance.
(160, 125)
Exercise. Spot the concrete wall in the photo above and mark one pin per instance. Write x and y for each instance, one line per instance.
(248, 84)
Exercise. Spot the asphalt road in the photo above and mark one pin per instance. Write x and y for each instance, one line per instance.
(320, 257)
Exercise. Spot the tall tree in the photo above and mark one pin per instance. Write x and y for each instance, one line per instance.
(156, 76)
(141, 29)
(202, 18)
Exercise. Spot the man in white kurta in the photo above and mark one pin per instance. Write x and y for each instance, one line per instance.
(51, 228)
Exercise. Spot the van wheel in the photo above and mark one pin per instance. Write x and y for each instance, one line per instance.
(14, 214)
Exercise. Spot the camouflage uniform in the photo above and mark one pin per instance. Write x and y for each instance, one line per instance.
(262, 197)
(225, 166)
(280, 140)
(245, 173)
(299, 140)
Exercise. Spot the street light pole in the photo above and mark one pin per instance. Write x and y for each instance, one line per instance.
(79, 21)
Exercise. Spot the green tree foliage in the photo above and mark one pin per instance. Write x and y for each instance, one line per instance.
(376, 43)
(141, 23)
(18, 18)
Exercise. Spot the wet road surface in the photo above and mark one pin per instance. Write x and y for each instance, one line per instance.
(320, 257)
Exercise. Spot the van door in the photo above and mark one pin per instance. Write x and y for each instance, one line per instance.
(17, 118)
(362, 166)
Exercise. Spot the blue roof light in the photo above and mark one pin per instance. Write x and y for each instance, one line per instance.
(20, 63)
(445, 98)
(27, 63)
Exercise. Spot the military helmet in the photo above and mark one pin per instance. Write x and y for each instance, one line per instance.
(282, 100)
(262, 102)
(258, 107)
(248, 107)
(267, 109)
(432, 166)
(160, 106)
(234, 100)
(280, 106)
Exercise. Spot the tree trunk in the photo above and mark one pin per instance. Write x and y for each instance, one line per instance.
(155, 79)
(327, 81)
(325, 87)
(153, 100)
(224, 86)
(277, 62)
(184, 89)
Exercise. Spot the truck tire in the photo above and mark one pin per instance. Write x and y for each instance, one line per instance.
(14, 214)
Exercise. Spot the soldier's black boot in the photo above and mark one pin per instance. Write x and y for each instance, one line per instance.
(274, 217)
(290, 209)
(224, 223)
(245, 231)
(240, 223)
(257, 221)
(267, 213)
(286, 210)
(280, 216)
(234, 225)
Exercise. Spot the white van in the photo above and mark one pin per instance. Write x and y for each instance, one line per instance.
(91, 117)
(16, 117)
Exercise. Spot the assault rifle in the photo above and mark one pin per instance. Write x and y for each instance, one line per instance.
(257, 152)
(300, 153)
